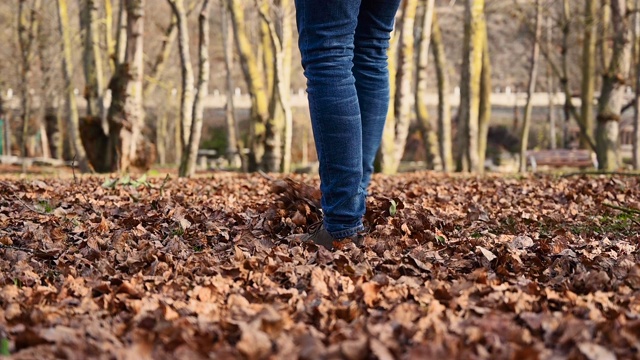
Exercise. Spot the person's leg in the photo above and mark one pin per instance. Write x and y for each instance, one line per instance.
(326, 40)
(375, 23)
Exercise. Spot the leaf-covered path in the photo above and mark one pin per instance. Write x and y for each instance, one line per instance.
(453, 268)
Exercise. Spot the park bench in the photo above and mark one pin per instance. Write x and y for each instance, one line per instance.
(205, 156)
(561, 158)
(209, 158)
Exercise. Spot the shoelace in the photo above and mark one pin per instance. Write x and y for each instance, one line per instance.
(315, 227)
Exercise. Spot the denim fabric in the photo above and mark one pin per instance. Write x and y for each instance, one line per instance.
(344, 55)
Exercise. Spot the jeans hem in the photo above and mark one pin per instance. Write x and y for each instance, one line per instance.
(346, 232)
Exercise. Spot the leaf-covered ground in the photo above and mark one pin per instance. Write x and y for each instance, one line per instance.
(453, 268)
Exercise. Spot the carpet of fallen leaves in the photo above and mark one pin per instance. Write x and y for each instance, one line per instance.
(453, 268)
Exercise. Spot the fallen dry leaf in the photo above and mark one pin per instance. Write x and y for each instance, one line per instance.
(487, 254)
(465, 268)
(595, 352)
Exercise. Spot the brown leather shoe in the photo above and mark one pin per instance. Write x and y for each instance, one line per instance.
(320, 236)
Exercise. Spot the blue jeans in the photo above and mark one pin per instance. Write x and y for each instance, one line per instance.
(344, 55)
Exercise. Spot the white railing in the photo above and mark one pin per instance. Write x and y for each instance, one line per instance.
(217, 100)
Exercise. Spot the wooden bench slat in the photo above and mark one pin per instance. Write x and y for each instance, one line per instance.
(561, 157)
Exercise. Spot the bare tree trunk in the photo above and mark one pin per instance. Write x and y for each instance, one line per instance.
(470, 87)
(48, 92)
(605, 20)
(484, 117)
(444, 106)
(92, 61)
(272, 62)
(27, 31)
(535, 54)
(159, 63)
(57, 127)
(588, 70)
(561, 71)
(267, 55)
(3, 121)
(636, 119)
(161, 135)
(613, 89)
(427, 126)
(121, 36)
(188, 163)
(7, 132)
(108, 35)
(186, 101)
(304, 144)
(255, 84)
(93, 127)
(280, 107)
(387, 145)
(67, 69)
(286, 8)
(117, 86)
(233, 153)
(126, 113)
(551, 91)
(404, 78)
(564, 79)
(516, 111)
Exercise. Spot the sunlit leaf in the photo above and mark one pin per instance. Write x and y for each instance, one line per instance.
(4, 347)
(393, 208)
(110, 183)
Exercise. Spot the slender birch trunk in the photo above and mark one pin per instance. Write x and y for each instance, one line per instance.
(121, 36)
(613, 89)
(387, 144)
(255, 83)
(551, 116)
(188, 163)
(535, 54)
(605, 20)
(7, 133)
(27, 31)
(45, 89)
(427, 125)
(108, 35)
(564, 79)
(444, 105)
(161, 134)
(588, 70)
(551, 112)
(470, 87)
(67, 70)
(233, 151)
(286, 35)
(3, 122)
(135, 52)
(484, 117)
(186, 100)
(404, 78)
(267, 55)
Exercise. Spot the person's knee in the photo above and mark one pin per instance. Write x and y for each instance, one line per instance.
(329, 65)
